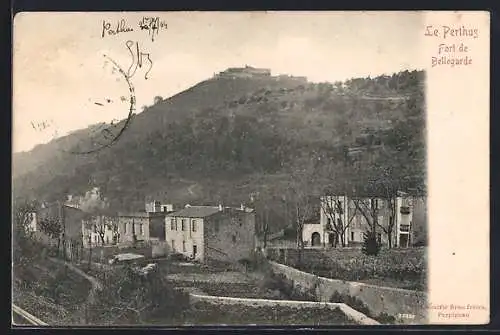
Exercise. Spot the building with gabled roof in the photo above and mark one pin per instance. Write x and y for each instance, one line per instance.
(212, 232)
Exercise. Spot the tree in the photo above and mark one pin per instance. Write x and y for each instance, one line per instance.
(260, 202)
(371, 245)
(303, 194)
(332, 207)
(335, 178)
(23, 246)
(158, 99)
(102, 218)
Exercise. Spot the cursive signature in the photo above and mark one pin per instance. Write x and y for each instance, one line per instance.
(120, 27)
(139, 59)
(153, 25)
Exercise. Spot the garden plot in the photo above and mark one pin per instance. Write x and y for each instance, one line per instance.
(398, 268)
(207, 313)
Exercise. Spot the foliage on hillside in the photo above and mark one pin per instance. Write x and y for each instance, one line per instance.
(223, 140)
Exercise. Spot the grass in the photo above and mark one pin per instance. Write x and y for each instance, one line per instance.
(51, 292)
(399, 268)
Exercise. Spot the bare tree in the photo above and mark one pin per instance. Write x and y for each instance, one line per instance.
(368, 207)
(333, 209)
(102, 218)
(303, 193)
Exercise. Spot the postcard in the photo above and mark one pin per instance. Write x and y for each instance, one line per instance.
(250, 168)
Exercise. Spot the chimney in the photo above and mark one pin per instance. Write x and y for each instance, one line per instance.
(220, 207)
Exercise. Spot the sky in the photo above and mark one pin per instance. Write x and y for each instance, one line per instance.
(62, 83)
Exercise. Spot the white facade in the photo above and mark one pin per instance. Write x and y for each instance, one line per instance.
(321, 234)
(185, 235)
(157, 206)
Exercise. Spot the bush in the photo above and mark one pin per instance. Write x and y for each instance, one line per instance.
(131, 298)
(287, 287)
(371, 246)
(361, 307)
(353, 302)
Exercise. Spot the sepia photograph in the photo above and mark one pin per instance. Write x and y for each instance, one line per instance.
(233, 168)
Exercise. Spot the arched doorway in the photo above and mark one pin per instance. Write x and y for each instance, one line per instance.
(315, 239)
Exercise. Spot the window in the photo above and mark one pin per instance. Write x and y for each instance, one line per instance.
(173, 245)
(95, 228)
(352, 236)
(172, 224)
(193, 225)
(184, 246)
(141, 229)
(234, 238)
(125, 228)
(183, 224)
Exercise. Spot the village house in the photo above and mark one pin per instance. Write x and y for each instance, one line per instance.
(99, 230)
(67, 218)
(212, 232)
(337, 211)
(144, 225)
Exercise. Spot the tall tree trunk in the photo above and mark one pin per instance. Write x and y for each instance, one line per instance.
(265, 236)
(299, 237)
(389, 237)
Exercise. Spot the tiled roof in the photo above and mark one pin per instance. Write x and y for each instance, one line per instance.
(195, 212)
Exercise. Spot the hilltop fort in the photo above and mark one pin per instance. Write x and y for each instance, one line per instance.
(252, 72)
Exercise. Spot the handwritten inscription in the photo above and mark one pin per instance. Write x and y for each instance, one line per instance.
(139, 59)
(451, 54)
(41, 125)
(119, 27)
(152, 25)
(45, 126)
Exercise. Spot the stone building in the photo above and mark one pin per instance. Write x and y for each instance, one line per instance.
(405, 214)
(212, 232)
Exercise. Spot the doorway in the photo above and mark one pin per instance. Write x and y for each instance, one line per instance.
(195, 250)
(315, 239)
(403, 240)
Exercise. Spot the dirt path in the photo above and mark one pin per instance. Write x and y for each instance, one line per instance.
(96, 284)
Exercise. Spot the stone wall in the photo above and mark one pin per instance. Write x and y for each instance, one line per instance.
(348, 311)
(378, 299)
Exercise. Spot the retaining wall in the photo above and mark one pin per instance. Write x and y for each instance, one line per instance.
(348, 311)
(378, 299)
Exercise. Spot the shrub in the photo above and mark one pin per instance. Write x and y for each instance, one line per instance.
(360, 306)
(371, 247)
(129, 297)
(353, 302)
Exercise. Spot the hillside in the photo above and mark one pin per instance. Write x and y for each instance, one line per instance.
(223, 139)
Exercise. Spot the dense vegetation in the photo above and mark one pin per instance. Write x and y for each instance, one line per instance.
(223, 140)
